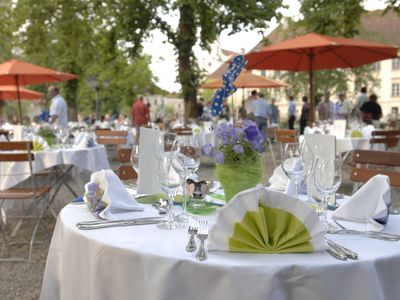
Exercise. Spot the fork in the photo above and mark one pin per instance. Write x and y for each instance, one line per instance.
(192, 230)
(202, 235)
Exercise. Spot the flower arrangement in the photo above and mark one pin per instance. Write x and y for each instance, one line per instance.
(236, 145)
(238, 156)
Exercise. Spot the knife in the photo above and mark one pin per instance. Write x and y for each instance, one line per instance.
(120, 223)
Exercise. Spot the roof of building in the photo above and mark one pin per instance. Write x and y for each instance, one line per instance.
(224, 66)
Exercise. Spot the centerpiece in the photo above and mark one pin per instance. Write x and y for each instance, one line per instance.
(238, 156)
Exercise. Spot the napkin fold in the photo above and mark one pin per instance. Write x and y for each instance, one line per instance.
(84, 140)
(106, 196)
(369, 205)
(39, 143)
(260, 220)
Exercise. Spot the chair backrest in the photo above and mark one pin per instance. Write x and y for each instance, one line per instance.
(271, 132)
(370, 163)
(110, 137)
(125, 171)
(388, 137)
(183, 131)
(286, 135)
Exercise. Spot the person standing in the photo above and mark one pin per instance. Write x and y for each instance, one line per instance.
(305, 114)
(262, 112)
(291, 112)
(58, 108)
(325, 108)
(274, 119)
(343, 107)
(225, 111)
(371, 111)
(361, 99)
(248, 105)
(200, 107)
(140, 113)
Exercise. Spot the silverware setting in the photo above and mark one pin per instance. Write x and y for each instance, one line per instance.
(192, 230)
(344, 252)
(370, 234)
(87, 225)
(202, 235)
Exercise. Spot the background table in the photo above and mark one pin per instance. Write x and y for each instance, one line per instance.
(92, 159)
(144, 262)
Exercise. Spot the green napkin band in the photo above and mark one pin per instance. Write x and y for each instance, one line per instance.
(270, 230)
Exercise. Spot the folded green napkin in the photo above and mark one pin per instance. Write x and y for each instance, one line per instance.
(259, 220)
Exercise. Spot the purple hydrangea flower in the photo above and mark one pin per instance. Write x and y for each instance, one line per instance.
(251, 131)
(238, 149)
(227, 134)
(207, 149)
(219, 157)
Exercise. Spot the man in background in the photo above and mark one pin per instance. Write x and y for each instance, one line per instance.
(140, 113)
(343, 107)
(291, 112)
(248, 105)
(361, 99)
(325, 108)
(262, 112)
(58, 108)
(371, 111)
(274, 112)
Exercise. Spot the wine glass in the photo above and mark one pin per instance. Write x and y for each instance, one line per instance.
(189, 156)
(327, 180)
(293, 164)
(62, 135)
(170, 179)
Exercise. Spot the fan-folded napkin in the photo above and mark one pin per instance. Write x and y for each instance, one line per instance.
(369, 205)
(260, 220)
(106, 196)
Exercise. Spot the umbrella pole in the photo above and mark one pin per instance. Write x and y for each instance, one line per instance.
(19, 101)
(311, 86)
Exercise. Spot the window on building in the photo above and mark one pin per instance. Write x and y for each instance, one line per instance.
(263, 73)
(396, 89)
(396, 64)
(376, 66)
(277, 73)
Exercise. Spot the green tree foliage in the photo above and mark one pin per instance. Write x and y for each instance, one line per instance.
(200, 22)
(72, 36)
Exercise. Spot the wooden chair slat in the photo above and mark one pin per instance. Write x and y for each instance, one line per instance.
(111, 141)
(376, 157)
(20, 145)
(363, 175)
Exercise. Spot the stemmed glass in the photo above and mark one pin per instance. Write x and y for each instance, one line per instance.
(327, 180)
(293, 164)
(170, 175)
(189, 156)
(63, 135)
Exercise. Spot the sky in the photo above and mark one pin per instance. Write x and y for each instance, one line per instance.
(164, 61)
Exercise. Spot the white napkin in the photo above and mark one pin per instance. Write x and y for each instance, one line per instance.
(148, 163)
(248, 201)
(369, 205)
(84, 140)
(39, 143)
(366, 131)
(106, 196)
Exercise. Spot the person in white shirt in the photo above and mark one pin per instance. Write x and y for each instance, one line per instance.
(361, 99)
(343, 107)
(58, 108)
(262, 112)
(291, 112)
(248, 105)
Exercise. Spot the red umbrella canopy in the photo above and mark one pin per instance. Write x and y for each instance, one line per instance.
(9, 92)
(318, 52)
(16, 72)
(247, 80)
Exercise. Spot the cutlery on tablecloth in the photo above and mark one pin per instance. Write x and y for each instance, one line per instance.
(84, 225)
(336, 254)
(192, 230)
(349, 253)
(202, 235)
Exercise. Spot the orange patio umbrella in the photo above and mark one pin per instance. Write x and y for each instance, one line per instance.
(247, 80)
(318, 52)
(16, 72)
(9, 92)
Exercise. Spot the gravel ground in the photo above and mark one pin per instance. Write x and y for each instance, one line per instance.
(22, 280)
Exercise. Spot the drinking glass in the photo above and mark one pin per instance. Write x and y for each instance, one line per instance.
(62, 135)
(327, 180)
(170, 179)
(189, 156)
(293, 164)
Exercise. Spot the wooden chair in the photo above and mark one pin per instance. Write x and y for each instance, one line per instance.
(370, 163)
(125, 171)
(184, 131)
(284, 136)
(390, 138)
(35, 196)
(112, 140)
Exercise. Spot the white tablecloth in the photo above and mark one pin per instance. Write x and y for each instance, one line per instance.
(92, 159)
(144, 262)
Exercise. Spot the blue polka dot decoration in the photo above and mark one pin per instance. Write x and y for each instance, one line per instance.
(235, 67)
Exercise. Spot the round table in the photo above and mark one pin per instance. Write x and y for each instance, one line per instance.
(143, 262)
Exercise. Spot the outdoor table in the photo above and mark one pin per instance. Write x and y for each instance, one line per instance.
(143, 262)
(92, 159)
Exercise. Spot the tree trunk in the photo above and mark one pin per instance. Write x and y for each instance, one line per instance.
(188, 70)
